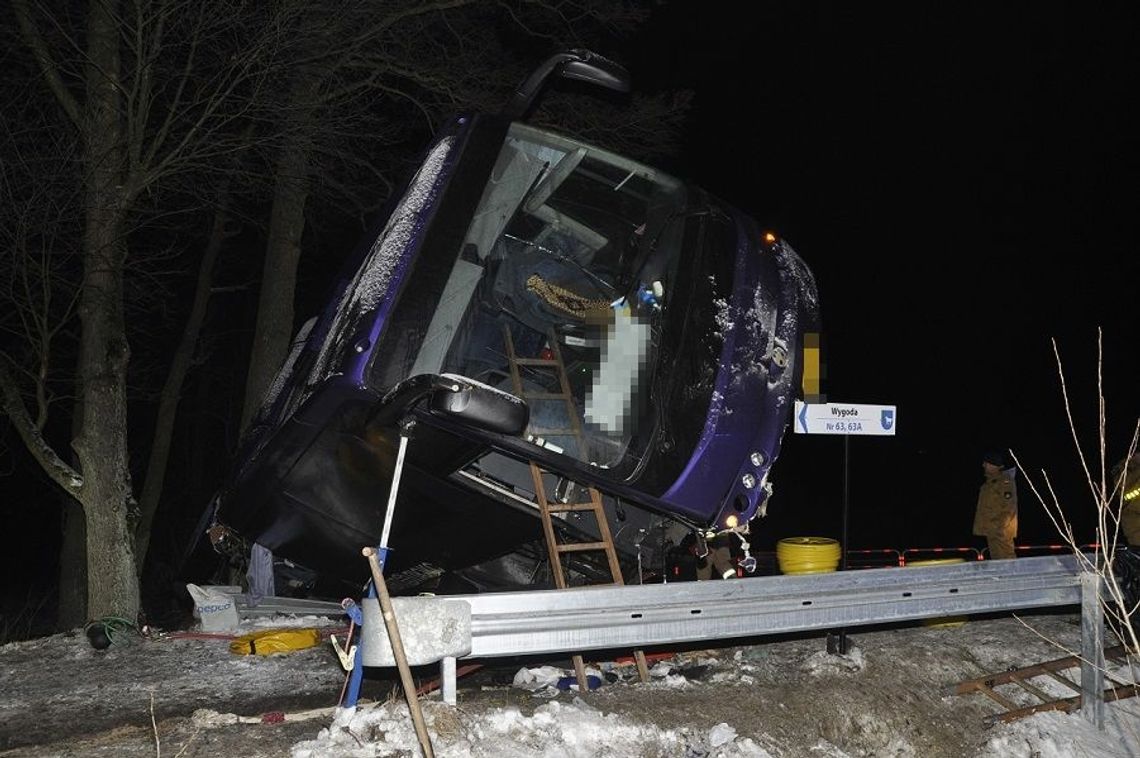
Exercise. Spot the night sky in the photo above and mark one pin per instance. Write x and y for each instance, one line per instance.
(963, 183)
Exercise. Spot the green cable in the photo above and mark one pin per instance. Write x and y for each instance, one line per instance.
(112, 626)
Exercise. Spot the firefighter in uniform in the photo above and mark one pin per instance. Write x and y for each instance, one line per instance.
(996, 514)
(718, 558)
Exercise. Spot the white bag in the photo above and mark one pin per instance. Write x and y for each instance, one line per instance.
(215, 606)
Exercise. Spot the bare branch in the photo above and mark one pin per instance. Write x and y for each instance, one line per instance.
(54, 466)
(47, 65)
(1118, 604)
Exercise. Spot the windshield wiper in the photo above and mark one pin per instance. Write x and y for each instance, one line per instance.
(562, 257)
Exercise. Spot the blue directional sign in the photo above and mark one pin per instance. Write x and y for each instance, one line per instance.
(844, 418)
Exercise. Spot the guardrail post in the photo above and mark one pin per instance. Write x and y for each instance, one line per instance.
(1092, 650)
(447, 679)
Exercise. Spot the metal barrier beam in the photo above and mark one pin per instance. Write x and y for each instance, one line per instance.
(250, 607)
(600, 617)
(592, 618)
(610, 617)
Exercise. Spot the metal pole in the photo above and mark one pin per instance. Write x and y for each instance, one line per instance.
(837, 643)
(404, 434)
(447, 677)
(357, 676)
(846, 502)
(1092, 650)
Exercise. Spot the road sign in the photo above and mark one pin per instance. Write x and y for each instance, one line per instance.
(844, 418)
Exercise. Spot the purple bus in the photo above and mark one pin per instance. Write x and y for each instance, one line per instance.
(528, 299)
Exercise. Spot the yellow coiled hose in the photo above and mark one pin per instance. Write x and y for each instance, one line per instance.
(807, 555)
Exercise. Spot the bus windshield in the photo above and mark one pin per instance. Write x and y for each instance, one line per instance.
(564, 274)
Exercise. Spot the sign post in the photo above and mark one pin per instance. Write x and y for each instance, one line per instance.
(844, 419)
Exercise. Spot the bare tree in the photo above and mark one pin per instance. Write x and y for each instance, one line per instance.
(148, 91)
(39, 263)
(170, 394)
(1106, 495)
(40, 258)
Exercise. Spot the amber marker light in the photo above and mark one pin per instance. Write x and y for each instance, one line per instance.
(769, 238)
(731, 521)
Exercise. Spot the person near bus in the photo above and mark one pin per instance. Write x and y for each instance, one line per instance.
(995, 517)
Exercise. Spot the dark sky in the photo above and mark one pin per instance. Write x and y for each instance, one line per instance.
(963, 182)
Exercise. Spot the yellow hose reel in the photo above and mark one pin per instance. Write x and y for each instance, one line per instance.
(807, 555)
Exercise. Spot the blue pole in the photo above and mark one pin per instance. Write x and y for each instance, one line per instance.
(353, 693)
(354, 612)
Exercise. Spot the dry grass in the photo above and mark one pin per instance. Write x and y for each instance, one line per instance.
(446, 721)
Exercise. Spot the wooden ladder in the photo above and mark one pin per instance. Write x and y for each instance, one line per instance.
(546, 507)
(1021, 678)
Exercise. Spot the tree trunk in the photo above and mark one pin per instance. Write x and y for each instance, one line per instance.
(72, 606)
(112, 582)
(172, 390)
(274, 327)
(72, 609)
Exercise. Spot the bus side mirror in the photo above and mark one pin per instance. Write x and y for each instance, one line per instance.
(580, 65)
(479, 405)
(464, 400)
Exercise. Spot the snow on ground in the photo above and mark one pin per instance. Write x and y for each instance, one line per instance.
(563, 730)
(889, 695)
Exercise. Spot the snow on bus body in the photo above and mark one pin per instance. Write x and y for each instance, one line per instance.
(679, 322)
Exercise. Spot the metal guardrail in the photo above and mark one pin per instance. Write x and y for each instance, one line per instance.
(592, 618)
(607, 617)
(250, 607)
(883, 557)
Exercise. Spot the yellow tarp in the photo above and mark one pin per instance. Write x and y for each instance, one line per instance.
(272, 641)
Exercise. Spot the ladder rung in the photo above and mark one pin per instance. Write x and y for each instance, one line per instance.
(560, 507)
(552, 432)
(580, 546)
(545, 395)
(1031, 688)
(536, 362)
